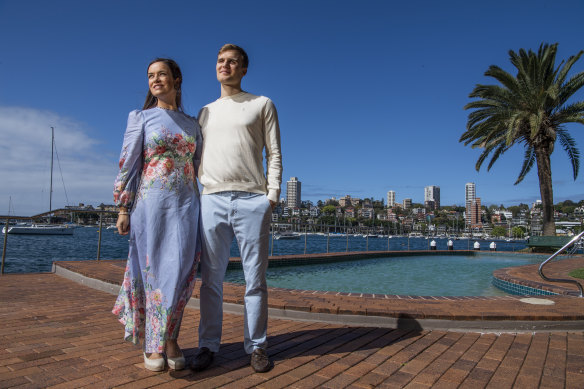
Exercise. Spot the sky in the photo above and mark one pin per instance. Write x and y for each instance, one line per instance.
(370, 94)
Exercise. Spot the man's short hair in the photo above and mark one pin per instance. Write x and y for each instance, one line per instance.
(231, 46)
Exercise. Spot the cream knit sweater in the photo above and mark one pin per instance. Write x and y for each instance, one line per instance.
(236, 130)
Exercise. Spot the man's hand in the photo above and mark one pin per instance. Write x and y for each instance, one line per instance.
(273, 204)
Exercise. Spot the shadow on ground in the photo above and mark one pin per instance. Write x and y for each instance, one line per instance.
(309, 345)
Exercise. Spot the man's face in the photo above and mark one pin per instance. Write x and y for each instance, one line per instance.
(230, 69)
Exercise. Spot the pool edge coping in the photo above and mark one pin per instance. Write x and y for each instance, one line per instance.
(402, 320)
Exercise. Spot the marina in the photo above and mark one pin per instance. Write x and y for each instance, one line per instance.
(35, 253)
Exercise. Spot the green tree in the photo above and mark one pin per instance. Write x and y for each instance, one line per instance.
(514, 209)
(441, 221)
(329, 209)
(351, 221)
(327, 220)
(567, 206)
(487, 213)
(499, 231)
(366, 222)
(518, 231)
(529, 109)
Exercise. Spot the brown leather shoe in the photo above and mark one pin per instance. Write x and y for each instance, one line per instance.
(260, 361)
(202, 360)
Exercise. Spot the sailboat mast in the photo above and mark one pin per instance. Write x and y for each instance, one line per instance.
(51, 190)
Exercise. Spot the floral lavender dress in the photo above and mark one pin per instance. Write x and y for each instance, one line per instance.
(158, 164)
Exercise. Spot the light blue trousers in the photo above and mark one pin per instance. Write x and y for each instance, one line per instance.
(247, 217)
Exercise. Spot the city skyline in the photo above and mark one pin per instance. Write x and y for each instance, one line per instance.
(369, 95)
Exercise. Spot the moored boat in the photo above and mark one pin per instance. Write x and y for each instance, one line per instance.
(39, 229)
(286, 235)
(43, 229)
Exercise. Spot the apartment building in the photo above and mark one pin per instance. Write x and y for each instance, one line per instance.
(293, 192)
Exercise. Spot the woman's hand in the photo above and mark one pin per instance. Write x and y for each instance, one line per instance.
(123, 224)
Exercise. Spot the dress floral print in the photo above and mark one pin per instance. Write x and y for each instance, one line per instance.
(168, 160)
(158, 163)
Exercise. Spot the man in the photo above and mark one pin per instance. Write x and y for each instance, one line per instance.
(237, 200)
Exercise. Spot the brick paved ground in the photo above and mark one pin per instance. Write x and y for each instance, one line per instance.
(58, 333)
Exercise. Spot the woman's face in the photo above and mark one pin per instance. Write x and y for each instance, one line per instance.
(160, 81)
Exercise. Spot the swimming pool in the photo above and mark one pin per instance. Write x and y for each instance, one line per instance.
(435, 275)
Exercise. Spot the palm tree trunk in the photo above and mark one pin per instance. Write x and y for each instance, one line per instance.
(544, 172)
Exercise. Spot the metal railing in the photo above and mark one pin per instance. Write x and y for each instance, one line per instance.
(566, 246)
(326, 230)
(8, 218)
(32, 218)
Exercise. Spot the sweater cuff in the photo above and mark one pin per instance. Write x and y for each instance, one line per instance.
(273, 195)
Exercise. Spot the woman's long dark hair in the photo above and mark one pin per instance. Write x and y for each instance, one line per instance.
(152, 101)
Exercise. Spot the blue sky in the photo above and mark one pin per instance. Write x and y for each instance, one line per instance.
(370, 94)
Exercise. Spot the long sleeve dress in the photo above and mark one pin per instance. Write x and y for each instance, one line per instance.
(156, 181)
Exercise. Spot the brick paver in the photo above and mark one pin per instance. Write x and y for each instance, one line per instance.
(61, 334)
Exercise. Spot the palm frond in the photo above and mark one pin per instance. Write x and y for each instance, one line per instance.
(493, 114)
(514, 127)
(528, 160)
(569, 145)
(573, 113)
(535, 121)
(568, 89)
(481, 159)
(500, 150)
(487, 151)
(503, 77)
(563, 72)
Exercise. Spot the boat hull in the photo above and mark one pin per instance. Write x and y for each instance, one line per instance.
(39, 230)
(287, 236)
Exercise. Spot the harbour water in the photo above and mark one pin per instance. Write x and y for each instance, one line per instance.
(30, 253)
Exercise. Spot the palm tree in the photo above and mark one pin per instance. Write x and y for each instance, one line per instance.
(530, 109)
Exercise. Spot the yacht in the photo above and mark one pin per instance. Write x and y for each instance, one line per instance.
(286, 235)
(39, 229)
(42, 229)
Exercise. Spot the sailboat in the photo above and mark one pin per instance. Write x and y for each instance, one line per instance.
(43, 229)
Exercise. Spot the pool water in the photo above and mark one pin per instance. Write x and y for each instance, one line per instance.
(438, 275)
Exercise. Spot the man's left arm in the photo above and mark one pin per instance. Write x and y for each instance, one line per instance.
(273, 152)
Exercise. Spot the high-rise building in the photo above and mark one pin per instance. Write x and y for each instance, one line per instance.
(390, 199)
(470, 195)
(432, 196)
(407, 203)
(293, 192)
(475, 213)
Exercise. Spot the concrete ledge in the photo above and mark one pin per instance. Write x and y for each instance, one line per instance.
(87, 281)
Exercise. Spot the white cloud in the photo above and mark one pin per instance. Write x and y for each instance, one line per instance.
(25, 147)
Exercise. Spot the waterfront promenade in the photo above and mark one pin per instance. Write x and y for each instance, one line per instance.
(57, 331)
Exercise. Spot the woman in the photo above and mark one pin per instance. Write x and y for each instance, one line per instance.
(159, 207)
